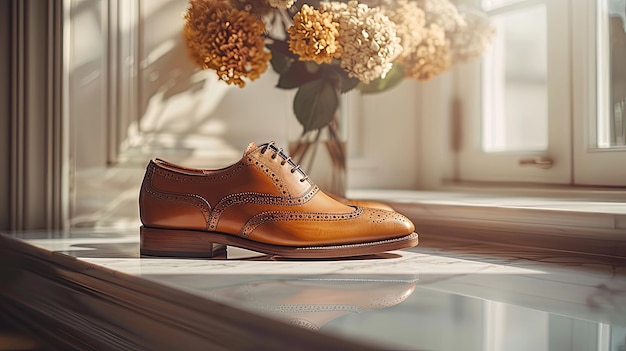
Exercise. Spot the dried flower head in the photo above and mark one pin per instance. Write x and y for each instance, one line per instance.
(430, 58)
(314, 36)
(470, 41)
(367, 37)
(281, 4)
(410, 21)
(442, 13)
(226, 40)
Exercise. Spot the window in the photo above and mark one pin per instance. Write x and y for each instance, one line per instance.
(599, 93)
(547, 103)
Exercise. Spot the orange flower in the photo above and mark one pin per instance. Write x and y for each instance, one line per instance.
(226, 40)
(314, 36)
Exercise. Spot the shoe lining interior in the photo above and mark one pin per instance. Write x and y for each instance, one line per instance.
(178, 168)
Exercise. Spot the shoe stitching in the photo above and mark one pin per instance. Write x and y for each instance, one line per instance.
(259, 199)
(372, 243)
(280, 216)
(190, 199)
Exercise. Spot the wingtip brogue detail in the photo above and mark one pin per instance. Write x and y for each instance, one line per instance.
(257, 198)
(309, 217)
(379, 216)
(265, 203)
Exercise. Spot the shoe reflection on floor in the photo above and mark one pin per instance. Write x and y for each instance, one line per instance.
(313, 302)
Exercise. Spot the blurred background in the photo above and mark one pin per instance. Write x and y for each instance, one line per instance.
(95, 88)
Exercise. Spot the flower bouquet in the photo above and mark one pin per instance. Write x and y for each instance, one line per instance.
(327, 48)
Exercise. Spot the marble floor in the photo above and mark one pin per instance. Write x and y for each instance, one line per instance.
(458, 297)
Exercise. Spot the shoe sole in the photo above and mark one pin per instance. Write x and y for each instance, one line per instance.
(190, 243)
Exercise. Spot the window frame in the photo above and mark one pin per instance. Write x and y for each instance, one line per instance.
(576, 166)
(476, 165)
(592, 16)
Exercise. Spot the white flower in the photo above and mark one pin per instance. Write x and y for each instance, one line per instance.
(410, 21)
(368, 39)
(470, 41)
(430, 58)
(442, 13)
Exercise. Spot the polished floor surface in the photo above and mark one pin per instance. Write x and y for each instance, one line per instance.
(451, 297)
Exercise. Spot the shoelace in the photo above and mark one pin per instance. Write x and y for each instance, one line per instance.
(286, 159)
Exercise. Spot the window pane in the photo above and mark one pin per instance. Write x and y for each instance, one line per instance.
(612, 82)
(515, 91)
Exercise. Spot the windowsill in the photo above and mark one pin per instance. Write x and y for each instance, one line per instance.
(585, 224)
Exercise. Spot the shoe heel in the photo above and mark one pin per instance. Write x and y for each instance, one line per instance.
(177, 243)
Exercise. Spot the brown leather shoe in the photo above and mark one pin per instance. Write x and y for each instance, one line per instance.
(264, 203)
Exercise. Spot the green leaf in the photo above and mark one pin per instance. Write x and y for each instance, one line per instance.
(315, 104)
(311, 66)
(280, 63)
(295, 76)
(393, 78)
(345, 82)
(282, 47)
(348, 83)
(293, 72)
(282, 58)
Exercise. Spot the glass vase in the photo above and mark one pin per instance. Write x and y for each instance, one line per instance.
(322, 154)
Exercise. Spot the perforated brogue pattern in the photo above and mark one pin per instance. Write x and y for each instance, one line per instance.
(258, 199)
(377, 216)
(391, 299)
(256, 162)
(189, 199)
(303, 323)
(279, 216)
(308, 308)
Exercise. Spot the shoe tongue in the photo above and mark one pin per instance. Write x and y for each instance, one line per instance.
(251, 147)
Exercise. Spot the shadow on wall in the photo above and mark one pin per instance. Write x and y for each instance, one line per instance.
(168, 108)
